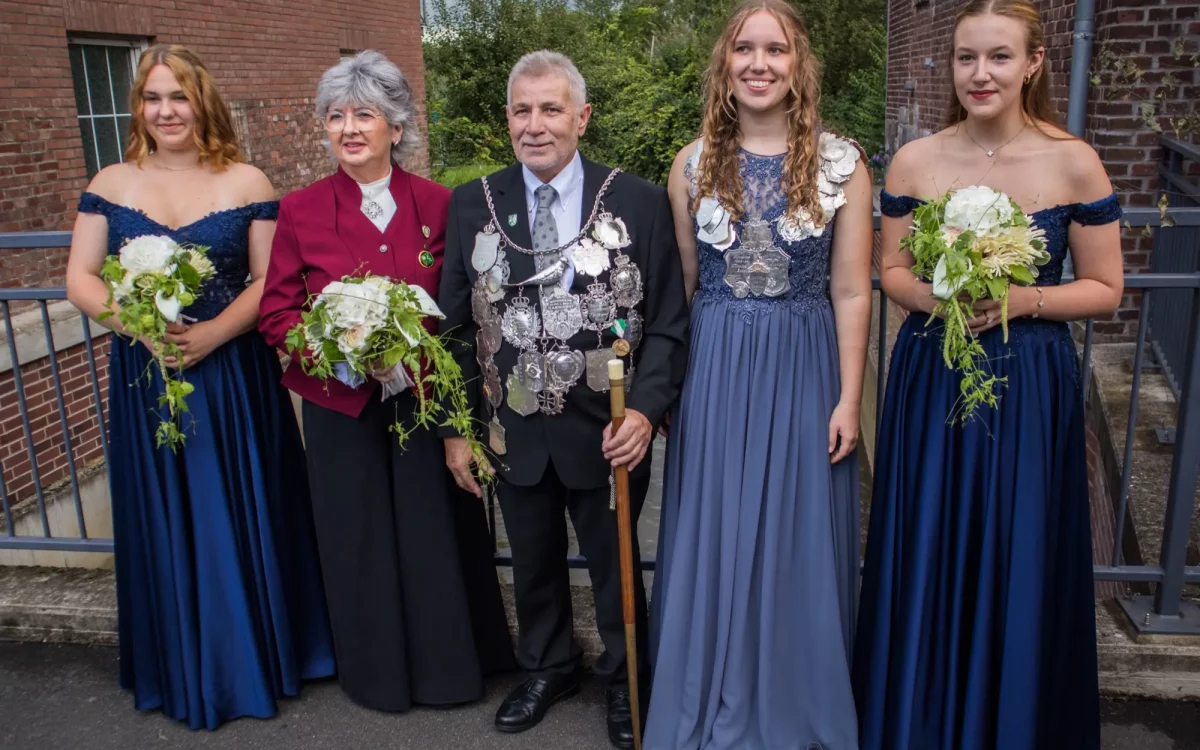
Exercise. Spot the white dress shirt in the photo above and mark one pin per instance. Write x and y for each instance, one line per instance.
(379, 193)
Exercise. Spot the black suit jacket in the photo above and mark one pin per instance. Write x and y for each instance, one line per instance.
(571, 439)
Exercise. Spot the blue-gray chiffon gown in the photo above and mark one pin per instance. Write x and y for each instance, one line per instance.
(220, 607)
(754, 595)
(978, 627)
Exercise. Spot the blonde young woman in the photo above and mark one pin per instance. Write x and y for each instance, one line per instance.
(978, 628)
(754, 598)
(220, 606)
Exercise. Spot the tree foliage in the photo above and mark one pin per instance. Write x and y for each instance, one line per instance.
(642, 60)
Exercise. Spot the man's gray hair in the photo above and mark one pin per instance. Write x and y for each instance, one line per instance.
(545, 62)
(369, 79)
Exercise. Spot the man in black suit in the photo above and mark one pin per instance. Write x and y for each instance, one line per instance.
(554, 266)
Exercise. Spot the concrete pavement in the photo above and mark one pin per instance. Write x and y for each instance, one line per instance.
(66, 696)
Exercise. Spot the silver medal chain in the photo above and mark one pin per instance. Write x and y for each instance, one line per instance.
(597, 207)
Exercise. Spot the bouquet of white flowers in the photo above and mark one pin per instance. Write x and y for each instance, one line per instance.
(973, 242)
(151, 280)
(361, 324)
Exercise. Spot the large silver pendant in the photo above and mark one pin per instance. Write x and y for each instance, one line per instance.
(521, 325)
(564, 367)
(496, 437)
(531, 370)
(561, 314)
(599, 308)
(487, 249)
(757, 267)
(626, 281)
(597, 369)
(520, 399)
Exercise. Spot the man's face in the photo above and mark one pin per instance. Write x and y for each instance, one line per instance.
(545, 124)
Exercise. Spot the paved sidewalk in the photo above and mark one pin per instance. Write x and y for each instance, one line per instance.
(66, 696)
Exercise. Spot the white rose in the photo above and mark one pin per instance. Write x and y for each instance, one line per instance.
(168, 306)
(353, 340)
(978, 209)
(148, 254)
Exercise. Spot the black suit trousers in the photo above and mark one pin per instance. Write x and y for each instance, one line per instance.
(534, 518)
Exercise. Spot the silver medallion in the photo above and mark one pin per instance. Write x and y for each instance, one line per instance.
(491, 385)
(626, 281)
(487, 338)
(599, 308)
(590, 258)
(563, 368)
(521, 325)
(487, 249)
(496, 278)
(551, 402)
(531, 370)
(561, 314)
(520, 399)
(496, 437)
(633, 329)
(481, 308)
(597, 369)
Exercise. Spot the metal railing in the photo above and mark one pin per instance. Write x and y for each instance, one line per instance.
(1174, 252)
(1166, 612)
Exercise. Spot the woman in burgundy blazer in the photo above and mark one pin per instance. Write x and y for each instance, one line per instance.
(413, 595)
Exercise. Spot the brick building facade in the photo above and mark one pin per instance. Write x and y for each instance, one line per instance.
(1158, 37)
(59, 124)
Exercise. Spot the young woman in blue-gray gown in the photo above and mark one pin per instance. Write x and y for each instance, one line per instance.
(758, 560)
(978, 625)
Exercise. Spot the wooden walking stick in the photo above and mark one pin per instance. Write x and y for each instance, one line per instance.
(616, 396)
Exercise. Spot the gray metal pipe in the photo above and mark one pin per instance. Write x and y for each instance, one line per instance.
(1081, 63)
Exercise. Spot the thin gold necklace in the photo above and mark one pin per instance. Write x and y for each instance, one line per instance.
(991, 151)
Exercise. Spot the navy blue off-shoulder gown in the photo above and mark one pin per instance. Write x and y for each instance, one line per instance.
(977, 620)
(220, 606)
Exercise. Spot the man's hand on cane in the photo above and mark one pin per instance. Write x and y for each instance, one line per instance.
(628, 446)
(460, 460)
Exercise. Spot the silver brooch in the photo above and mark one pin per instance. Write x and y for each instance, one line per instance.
(521, 324)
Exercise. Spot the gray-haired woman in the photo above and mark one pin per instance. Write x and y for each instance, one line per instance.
(413, 596)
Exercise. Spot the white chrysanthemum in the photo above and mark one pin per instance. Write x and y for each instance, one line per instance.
(200, 262)
(148, 254)
(978, 209)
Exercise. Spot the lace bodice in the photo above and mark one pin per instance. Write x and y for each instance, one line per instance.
(764, 197)
(1055, 221)
(225, 233)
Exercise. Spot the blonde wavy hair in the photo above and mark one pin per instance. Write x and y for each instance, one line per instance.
(717, 172)
(213, 131)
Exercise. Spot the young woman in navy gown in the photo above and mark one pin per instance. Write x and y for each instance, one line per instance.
(977, 625)
(220, 603)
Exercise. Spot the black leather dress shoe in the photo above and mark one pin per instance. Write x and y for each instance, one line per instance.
(528, 703)
(620, 717)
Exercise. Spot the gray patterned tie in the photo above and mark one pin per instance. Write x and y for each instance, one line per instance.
(545, 230)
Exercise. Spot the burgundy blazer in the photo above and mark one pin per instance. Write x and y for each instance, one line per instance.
(323, 235)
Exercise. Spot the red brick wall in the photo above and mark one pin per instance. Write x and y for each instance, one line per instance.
(267, 58)
(45, 420)
(1143, 31)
